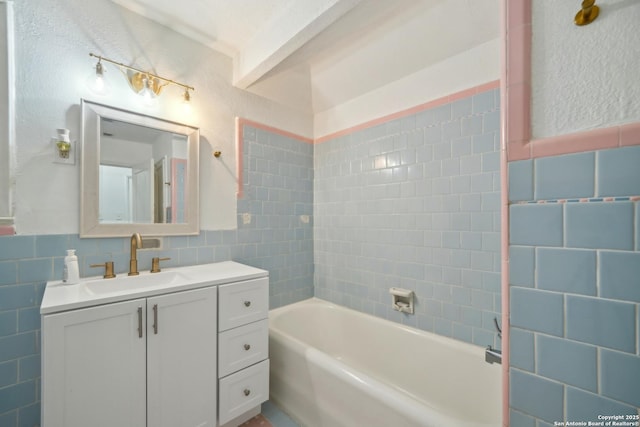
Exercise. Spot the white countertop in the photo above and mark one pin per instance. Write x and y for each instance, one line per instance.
(59, 296)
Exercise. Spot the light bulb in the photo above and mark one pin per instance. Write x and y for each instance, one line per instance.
(148, 97)
(97, 82)
(186, 102)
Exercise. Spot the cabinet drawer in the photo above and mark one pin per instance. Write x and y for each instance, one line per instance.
(243, 390)
(243, 346)
(242, 303)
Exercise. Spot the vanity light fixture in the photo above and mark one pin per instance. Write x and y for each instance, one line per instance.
(144, 83)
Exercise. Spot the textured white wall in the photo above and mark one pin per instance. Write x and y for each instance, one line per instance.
(53, 41)
(584, 77)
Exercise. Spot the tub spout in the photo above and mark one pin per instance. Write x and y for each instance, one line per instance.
(491, 355)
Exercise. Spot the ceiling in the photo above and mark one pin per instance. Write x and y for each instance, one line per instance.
(316, 54)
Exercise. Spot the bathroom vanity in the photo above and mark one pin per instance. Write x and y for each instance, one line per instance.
(184, 347)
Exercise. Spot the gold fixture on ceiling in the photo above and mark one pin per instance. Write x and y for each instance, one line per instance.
(142, 82)
(588, 13)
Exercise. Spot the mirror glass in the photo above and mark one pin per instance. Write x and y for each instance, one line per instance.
(139, 174)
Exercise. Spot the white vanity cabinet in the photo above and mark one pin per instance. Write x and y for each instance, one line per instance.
(243, 348)
(129, 353)
(146, 362)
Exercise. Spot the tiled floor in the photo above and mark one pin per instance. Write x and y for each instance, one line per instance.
(277, 417)
(271, 416)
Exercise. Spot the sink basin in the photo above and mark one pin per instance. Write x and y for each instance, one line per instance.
(132, 283)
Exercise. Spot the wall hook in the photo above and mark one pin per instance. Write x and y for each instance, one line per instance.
(588, 13)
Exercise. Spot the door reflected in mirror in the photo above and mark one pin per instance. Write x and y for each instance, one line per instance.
(142, 174)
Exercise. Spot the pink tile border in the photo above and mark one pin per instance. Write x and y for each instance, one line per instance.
(418, 108)
(630, 134)
(7, 230)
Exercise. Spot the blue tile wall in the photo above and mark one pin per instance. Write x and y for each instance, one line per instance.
(599, 225)
(565, 176)
(535, 395)
(601, 322)
(567, 270)
(521, 180)
(521, 349)
(537, 310)
(574, 275)
(275, 232)
(619, 275)
(582, 405)
(415, 206)
(567, 361)
(535, 225)
(618, 172)
(618, 372)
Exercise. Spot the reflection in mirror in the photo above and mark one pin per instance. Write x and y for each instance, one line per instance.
(139, 174)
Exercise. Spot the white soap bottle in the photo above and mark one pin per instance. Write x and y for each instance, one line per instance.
(71, 273)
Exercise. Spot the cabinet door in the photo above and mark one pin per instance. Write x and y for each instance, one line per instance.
(181, 359)
(94, 367)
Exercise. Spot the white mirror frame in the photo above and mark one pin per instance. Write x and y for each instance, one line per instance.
(92, 113)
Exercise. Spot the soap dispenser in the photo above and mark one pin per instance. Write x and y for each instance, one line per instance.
(71, 273)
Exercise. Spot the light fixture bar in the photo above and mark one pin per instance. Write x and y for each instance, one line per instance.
(164, 79)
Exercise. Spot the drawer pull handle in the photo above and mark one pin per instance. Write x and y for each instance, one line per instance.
(247, 303)
(247, 347)
(247, 392)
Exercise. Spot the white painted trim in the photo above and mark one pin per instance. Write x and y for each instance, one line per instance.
(7, 113)
(284, 35)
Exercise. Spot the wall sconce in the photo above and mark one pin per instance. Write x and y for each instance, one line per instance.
(144, 83)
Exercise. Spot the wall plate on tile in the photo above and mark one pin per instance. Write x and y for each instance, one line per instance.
(71, 160)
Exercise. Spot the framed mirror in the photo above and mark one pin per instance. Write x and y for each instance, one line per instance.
(138, 174)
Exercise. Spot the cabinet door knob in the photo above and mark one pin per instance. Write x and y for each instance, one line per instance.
(247, 392)
(247, 303)
(247, 347)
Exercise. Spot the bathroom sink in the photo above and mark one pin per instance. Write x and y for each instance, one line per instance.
(134, 283)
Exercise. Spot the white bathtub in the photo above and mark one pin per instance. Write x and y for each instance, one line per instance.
(332, 366)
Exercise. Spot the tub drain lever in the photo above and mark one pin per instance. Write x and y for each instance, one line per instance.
(402, 300)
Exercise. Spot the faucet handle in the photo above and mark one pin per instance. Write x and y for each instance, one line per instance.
(155, 264)
(108, 269)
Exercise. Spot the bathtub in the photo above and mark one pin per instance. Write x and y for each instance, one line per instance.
(332, 366)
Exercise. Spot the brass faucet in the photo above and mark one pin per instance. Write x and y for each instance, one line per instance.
(136, 243)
